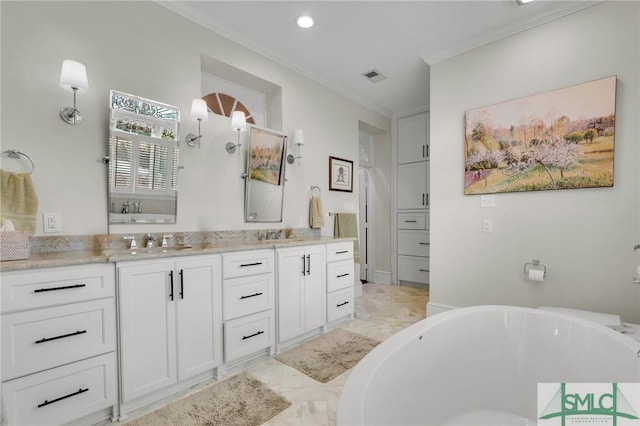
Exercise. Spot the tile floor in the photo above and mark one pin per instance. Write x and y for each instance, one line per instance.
(380, 312)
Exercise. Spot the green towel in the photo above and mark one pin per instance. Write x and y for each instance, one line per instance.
(316, 215)
(345, 225)
(18, 200)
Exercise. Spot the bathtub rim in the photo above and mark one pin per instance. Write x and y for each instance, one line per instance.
(350, 409)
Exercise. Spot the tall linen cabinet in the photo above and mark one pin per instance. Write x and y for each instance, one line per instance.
(413, 199)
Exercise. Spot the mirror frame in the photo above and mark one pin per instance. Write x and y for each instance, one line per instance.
(143, 120)
(280, 136)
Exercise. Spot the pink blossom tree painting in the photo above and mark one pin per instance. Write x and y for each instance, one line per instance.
(563, 139)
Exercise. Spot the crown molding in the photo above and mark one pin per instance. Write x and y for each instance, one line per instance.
(189, 12)
(491, 36)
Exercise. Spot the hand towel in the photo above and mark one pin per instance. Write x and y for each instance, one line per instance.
(345, 225)
(18, 200)
(316, 215)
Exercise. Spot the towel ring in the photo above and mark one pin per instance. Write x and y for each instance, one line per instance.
(315, 187)
(13, 153)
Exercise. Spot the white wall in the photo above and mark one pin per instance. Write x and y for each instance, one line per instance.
(144, 49)
(585, 237)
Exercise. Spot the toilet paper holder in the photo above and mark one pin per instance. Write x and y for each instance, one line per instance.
(535, 264)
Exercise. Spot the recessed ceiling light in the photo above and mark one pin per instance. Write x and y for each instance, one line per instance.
(521, 2)
(305, 21)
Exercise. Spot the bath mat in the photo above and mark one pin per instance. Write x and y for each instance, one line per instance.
(328, 356)
(240, 400)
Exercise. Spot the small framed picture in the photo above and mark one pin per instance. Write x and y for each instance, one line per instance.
(340, 174)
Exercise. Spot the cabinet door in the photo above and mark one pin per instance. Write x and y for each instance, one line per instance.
(147, 328)
(199, 318)
(291, 267)
(412, 138)
(315, 288)
(412, 186)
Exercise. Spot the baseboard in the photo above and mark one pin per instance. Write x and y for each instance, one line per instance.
(436, 308)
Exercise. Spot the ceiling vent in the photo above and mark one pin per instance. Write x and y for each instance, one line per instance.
(374, 76)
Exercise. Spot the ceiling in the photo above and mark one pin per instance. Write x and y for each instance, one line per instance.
(400, 39)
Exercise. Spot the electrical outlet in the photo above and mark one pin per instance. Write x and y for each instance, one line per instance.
(51, 222)
(487, 225)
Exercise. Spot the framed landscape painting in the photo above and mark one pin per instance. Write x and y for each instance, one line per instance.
(563, 139)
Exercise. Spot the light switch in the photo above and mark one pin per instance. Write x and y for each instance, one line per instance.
(488, 200)
(487, 225)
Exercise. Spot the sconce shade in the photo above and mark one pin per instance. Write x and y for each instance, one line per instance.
(73, 75)
(238, 121)
(298, 137)
(199, 110)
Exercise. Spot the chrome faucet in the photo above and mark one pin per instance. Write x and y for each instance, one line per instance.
(164, 240)
(132, 244)
(150, 240)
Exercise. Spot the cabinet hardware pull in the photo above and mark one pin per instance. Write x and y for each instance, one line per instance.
(410, 221)
(423, 244)
(308, 264)
(423, 152)
(342, 275)
(66, 287)
(342, 304)
(251, 295)
(244, 265)
(423, 270)
(304, 269)
(427, 151)
(181, 284)
(427, 198)
(423, 199)
(171, 293)
(48, 339)
(252, 335)
(45, 403)
(342, 252)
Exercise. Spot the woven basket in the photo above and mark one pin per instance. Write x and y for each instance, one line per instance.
(14, 245)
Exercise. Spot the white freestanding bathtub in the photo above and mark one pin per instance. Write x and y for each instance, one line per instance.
(481, 366)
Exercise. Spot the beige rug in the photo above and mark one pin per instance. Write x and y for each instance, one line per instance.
(328, 356)
(240, 400)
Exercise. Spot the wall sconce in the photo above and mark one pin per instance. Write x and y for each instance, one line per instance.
(238, 123)
(199, 112)
(298, 140)
(73, 76)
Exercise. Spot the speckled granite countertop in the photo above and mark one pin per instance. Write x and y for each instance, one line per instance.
(79, 257)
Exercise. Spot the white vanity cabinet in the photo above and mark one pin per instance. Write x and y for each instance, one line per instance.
(170, 322)
(340, 281)
(58, 345)
(248, 294)
(301, 273)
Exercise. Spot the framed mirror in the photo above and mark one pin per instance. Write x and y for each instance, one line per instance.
(143, 160)
(264, 179)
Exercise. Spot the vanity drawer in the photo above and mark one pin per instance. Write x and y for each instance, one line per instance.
(414, 269)
(62, 395)
(413, 243)
(246, 335)
(413, 221)
(246, 263)
(247, 295)
(48, 337)
(339, 251)
(36, 288)
(339, 304)
(340, 275)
